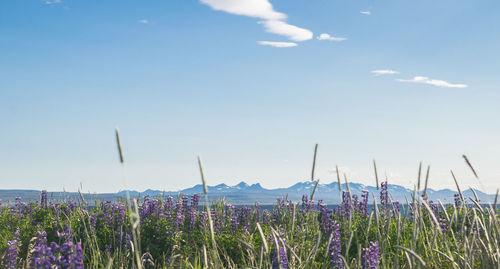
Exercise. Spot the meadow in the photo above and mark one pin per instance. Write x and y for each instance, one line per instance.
(178, 232)
(194, 232)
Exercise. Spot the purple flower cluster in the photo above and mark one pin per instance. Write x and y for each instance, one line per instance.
(244, 218)
(234, 222)
(266, 216)
(335, 248)
(355, 202)
(279, 253)
(384, 194)
(307, 206)
(68, 255)
(10, 258)
(443, 224)
(217, 221)
(179, 216)
(324, 217)
(346, 204)
(363, 205)
(203, 220)
(371, 256)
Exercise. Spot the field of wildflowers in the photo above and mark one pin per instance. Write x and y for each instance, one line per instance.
(179, 232)
(182, 232)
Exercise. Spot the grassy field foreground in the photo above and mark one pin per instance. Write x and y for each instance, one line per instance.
(168, 232)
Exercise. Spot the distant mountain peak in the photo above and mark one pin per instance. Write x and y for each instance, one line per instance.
(241, 185)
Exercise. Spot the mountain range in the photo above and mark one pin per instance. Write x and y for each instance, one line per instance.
(244, 193)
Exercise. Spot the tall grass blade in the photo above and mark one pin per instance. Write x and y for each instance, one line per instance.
(314, 161)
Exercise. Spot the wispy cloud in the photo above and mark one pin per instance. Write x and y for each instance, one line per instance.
(277, 44)
(274, 22)
(325, 36)
(143, 21)
(252, 8)
(291, 31)
(433, 82)
(366, 12)
(50, 2)
(384, 72)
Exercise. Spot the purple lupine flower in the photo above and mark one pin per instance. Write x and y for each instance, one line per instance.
(42, 256)
(371, 256)
(346, 204)
(169, 208)
(234, 223)
(458, 200)
(363, 205)
(435, 209)
(192, 217)
(266, 216)
(228, 213)
(127, 242)
(70, 206)
(10, 258)
(40, 238)
(217, 221)
(154, 207)
(244, 218)
(185, 200)
(20, 207)
(71, 256)
(384, 194)
(144, 210)
(284, 260)
(43, 199)
(324, 217)
(119, 213)
(276, 262)
(279, 254)
(179, 216)
(335, 247)
(195, 199)
(355, 202)
(203, 220)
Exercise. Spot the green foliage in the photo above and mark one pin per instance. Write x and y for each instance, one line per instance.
(465, 237)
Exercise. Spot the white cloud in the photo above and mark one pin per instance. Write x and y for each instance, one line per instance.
(291, 31)
(277, 44)
(366, 12)
(274, 22)
(143, 21)
(325, 36)
(50, 2)
(253, 8)
(434, 82)
(384, 72)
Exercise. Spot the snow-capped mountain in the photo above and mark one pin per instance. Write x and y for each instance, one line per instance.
(243, 193)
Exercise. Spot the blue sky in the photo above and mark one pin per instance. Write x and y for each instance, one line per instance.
(398, 81)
